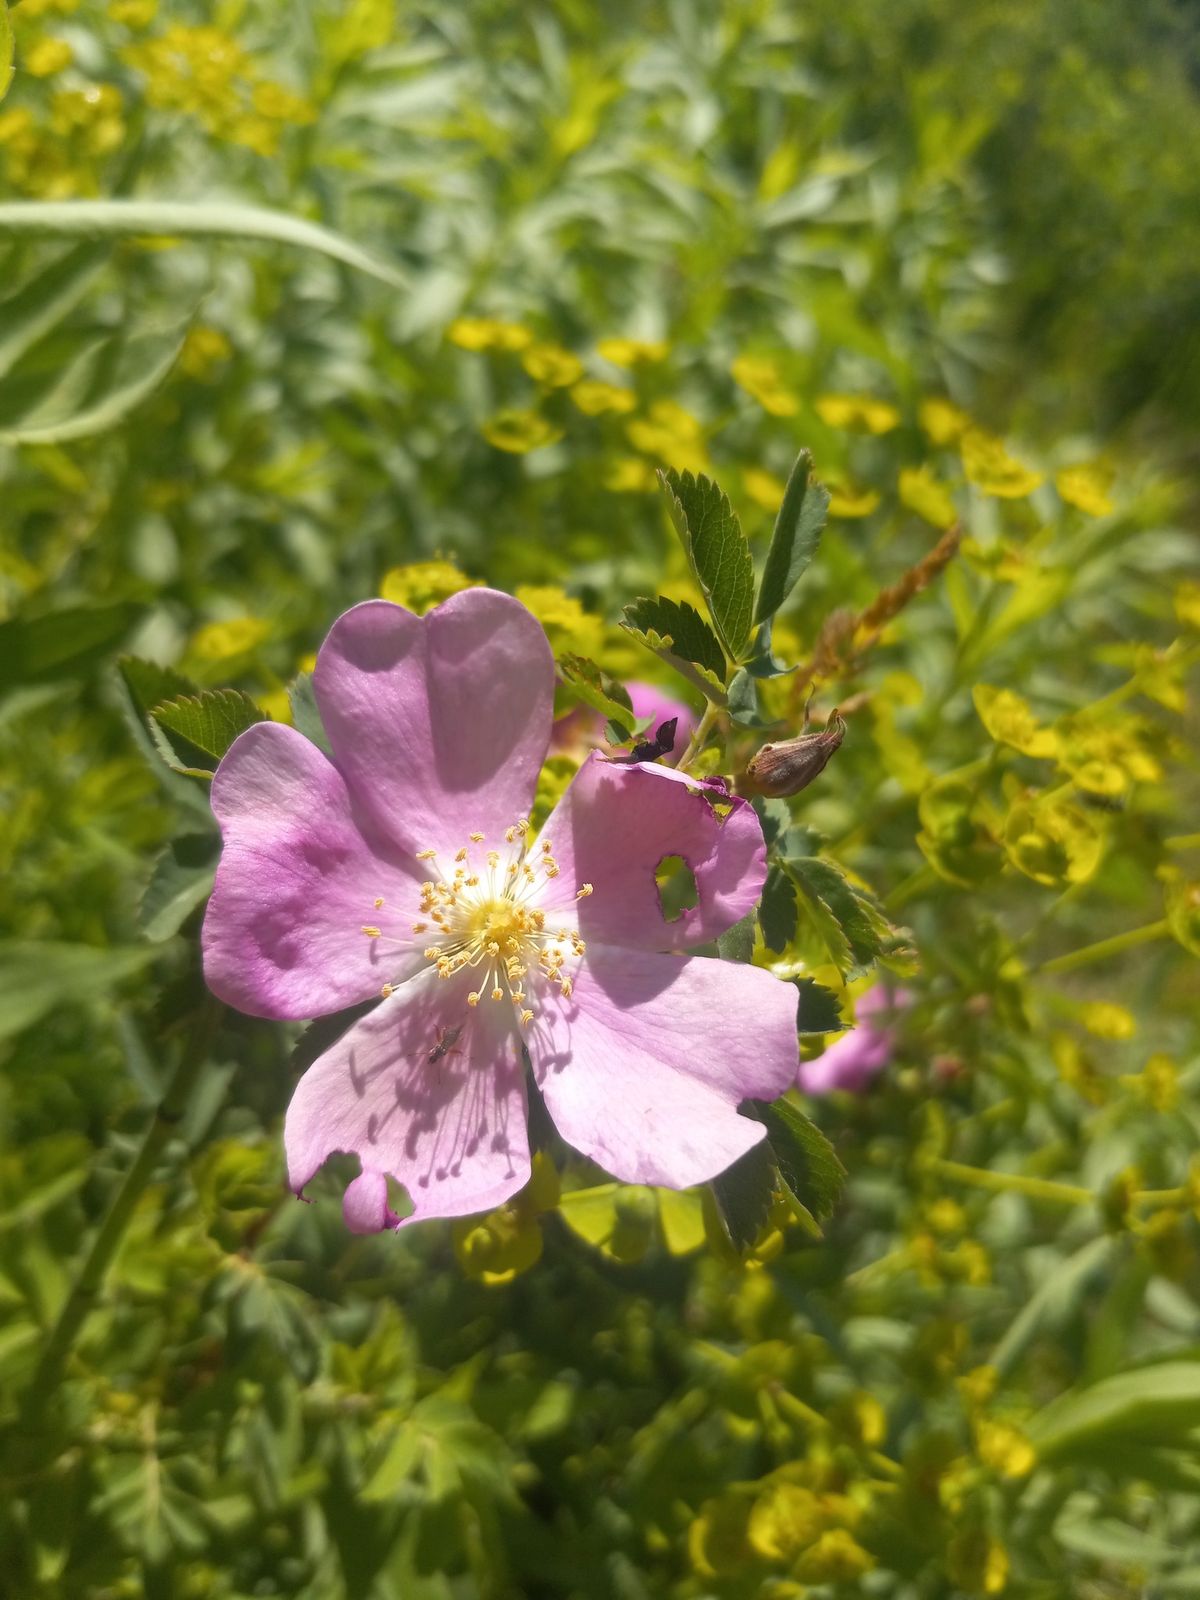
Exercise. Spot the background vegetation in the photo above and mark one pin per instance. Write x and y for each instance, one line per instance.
(461, 278)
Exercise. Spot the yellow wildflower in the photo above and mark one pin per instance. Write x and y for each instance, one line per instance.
(1053, 843)
(671, 434)
(845, 501)
(496, 1247)
(44, 57)
(1187, 603)
(133, 13)
(628, 475)
(423, 584)
(203, 350)
(760, 378)
(1005, 1449)
(1010, 721)
(1157, 1083)
(1086, 486)
(93, 114)
(1106, 1019)
(594, 397)
(836, 1557)
(989, 466)
(221, 641)
(921, 492)
(764, 488)
(632, 352)
(280, 104)
(552, 365)
(942, 421)
(276, 704)
(519, 431)
(568, 626)
(486, 333)
(860, 412)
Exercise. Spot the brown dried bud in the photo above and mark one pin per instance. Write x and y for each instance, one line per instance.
(783, 769)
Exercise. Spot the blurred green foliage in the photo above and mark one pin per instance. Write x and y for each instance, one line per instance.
(464, 277)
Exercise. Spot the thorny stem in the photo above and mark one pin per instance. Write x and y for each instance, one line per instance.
(1103, 948)
(82, 1298)
(700, 738)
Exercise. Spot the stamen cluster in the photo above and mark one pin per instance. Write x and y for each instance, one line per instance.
(483, 915)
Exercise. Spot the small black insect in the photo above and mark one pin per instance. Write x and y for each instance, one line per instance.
(654, 749)
(447, 1038)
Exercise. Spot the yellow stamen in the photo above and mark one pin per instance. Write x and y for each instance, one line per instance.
(372, 933)
(584, 891)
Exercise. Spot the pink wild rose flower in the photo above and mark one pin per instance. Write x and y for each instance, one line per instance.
(403, 870)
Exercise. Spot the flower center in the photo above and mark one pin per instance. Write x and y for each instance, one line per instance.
(482, 914)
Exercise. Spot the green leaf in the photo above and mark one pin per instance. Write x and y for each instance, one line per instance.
(181, 880)
(743, 1194)
(679, 634)
(61, 644)
(818, 1010)
(1152, 1405)
(762, 662)
(45, 298)
(737, 943)
(717, 551)
(195, 731)
(40, 976)
(743, 701)
(96, 390)
(596, 689)
(212, 219)
(306, 715)
(808, 1163)
(777, 910)
(862, 927)
(795, 538)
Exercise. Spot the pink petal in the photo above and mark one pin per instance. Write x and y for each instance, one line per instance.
(296, 884)
(451, 1131)
(643, 1068)
(439, 723)
(616, 824)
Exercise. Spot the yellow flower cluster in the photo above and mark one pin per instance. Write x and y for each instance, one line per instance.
(56, 155)
(204, 73)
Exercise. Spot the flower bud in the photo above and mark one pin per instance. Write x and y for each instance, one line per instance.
(783, 769)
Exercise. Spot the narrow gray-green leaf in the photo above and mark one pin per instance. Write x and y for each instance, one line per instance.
(1153, 1405)
(795, 538)
(37, 976)
(45, 298)
(206, 219)
(718, 552)
(125, 371)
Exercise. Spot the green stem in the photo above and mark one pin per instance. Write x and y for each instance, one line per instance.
(1061, 1194)
(700, 738)
(83, 1295)
(1183, 841)
(1103, 948)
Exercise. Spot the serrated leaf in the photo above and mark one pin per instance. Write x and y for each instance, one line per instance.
(737, 943)
(717, 551)
(677, 633)
(306, 714)
(198, 729)
(214, 219)
(41, 302)
(61, 643)
(777, 910)
(807, 1162)
(596, 689)
(818, 1010)
(743, 1194)
(795, 538)
(863, 927)
(180, 881)
(102, 385)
